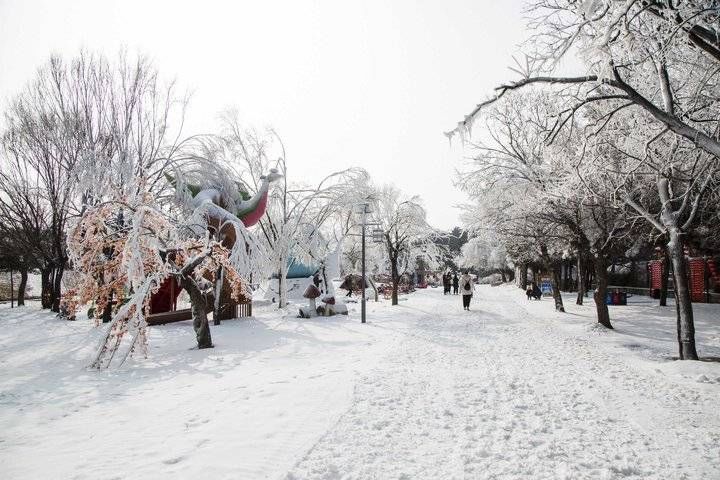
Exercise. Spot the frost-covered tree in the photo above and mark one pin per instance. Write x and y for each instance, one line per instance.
(44, 139)
(297, 215)
(658, 57)
(375, 255)
(653, 64)
(77, 127)
(24, 227)
(665, 181)
(486, 253)
(299, 220)
(125, 247)
(406, 233)
(511, 179)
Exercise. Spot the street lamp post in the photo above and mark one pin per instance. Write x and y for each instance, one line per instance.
(365, 210)
(364, 284)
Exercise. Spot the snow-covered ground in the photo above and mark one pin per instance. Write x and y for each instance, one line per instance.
(425, 390)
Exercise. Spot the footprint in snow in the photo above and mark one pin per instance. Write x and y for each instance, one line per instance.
(174, 460)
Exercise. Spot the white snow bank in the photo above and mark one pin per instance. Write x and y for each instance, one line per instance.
(246, 409)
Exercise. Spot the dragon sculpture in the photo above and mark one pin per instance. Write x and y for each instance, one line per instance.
(222, 208)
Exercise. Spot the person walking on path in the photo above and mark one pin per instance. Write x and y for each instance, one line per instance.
(466, 289)
(446, 283)
(456, 283)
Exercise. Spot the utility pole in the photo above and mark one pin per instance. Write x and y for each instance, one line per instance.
(364, 223)
(364, 283)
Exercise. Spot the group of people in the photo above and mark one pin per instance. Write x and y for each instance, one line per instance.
(533, 291)
(452, 285)
(450, 281)
(464, 285)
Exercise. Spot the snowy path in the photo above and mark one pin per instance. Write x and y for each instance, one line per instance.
(496, 393)
(424, 391)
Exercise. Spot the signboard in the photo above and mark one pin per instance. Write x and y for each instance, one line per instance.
(546, 286)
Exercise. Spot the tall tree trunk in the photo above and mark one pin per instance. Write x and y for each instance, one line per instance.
(57, 288)
(552, 267)
(46, 287)
(601, 273)
(395, 280)
(395, 286)
(665, 278)
(282, 283)
(523, 276)
(198, 306)
(371, 282)
(678, 326)
(53, 292)
(326, 285)
(107, 312)
(556, 289)
(581, 279)
(12, 290)
(22, 286)
(218, 303)
(686, 323)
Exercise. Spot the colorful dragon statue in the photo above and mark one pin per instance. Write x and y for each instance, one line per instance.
(221, 207)
(247, 209)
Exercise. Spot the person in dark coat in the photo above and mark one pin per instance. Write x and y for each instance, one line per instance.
(533, 291)
(446, 283)
(468, 288)
(536, 291)
(455, 283)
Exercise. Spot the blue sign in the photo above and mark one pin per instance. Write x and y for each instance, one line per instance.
(546, 285)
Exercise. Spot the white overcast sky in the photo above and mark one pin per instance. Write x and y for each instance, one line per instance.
(365, 83)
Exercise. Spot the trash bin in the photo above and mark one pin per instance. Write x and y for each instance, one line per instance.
(608, 298)
(623, 298)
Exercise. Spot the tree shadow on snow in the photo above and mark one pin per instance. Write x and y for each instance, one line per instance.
(50, 367)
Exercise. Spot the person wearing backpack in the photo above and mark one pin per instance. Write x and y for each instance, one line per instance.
(466, 290)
